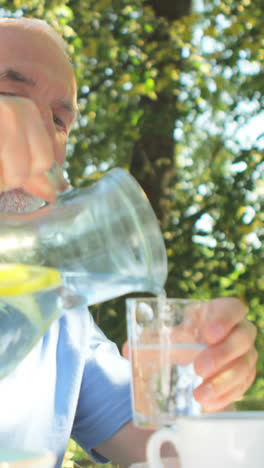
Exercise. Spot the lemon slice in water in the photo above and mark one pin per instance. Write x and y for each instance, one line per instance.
(18, 279)
(18, 285)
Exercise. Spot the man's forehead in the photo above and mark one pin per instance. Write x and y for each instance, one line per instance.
(34, 44)
(41, 54)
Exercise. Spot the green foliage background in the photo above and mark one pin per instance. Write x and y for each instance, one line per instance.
(166, 91)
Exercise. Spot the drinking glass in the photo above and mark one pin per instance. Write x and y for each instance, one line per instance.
(165, 336)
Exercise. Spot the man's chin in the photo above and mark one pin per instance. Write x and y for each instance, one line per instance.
(19, 201)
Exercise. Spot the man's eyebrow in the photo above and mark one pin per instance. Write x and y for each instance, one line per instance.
(13, 75)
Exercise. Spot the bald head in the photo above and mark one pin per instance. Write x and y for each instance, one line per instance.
(37, 25)
(34, 34)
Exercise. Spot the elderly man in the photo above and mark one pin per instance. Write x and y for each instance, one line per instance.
(74, 383)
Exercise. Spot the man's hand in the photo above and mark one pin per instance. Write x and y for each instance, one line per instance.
(228, 365)
(26, 149)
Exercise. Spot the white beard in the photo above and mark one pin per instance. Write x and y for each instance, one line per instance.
(19, 201)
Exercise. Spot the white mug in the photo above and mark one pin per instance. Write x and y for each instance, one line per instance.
(167, 463)
(222, 440)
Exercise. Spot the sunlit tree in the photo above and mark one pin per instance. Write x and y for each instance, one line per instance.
(173, 92)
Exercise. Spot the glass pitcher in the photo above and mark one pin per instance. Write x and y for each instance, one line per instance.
(12, 458)
(104, 241)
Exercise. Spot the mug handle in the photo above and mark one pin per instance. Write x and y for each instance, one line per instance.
(154, 445)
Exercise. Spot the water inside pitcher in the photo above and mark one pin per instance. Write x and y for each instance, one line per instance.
(104, 240)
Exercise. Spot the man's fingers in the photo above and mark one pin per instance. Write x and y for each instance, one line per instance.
(41, 187)
(2, 185)
(26, 148)
(125, 350)
(222, 316)
(227, 399)
(210, 361)
(15, 164)
(40, 144)
(234, 375)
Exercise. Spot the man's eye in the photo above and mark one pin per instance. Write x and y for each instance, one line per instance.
(58, 121)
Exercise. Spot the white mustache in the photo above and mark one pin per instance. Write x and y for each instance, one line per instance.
(19, 201)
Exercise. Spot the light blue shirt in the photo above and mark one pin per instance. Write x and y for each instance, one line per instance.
(73, 383)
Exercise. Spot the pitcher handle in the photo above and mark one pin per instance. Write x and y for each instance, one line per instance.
(154, 445)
